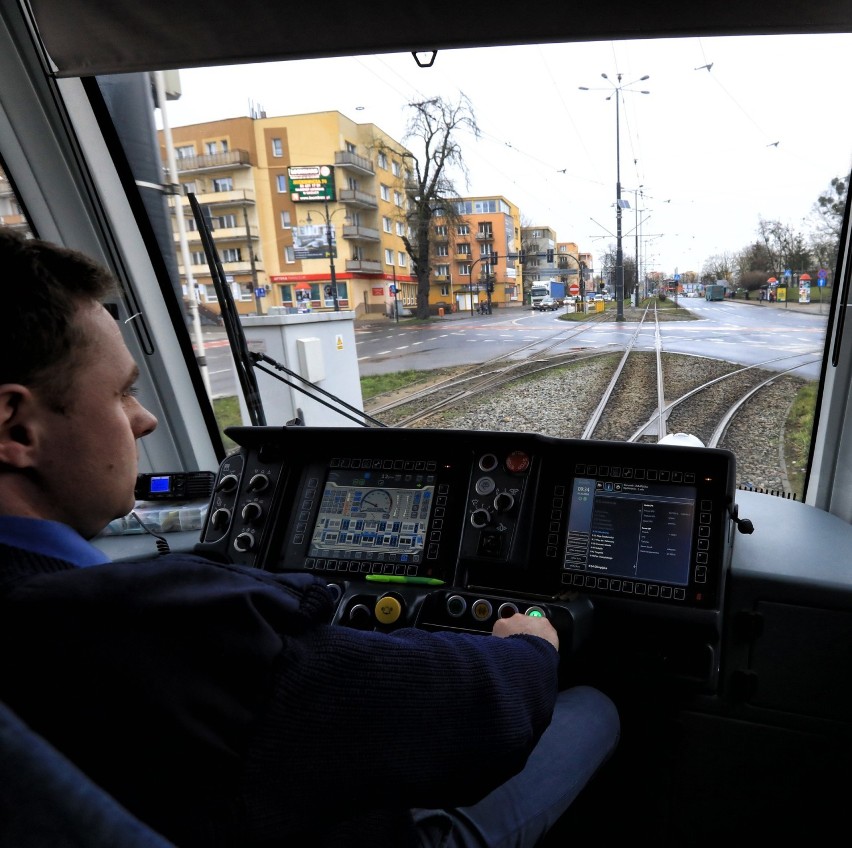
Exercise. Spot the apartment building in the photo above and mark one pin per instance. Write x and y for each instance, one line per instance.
(574, 267)
(475, 256)
(279, 244)
(539, 245)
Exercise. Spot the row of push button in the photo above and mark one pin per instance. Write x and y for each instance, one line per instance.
(626, 587)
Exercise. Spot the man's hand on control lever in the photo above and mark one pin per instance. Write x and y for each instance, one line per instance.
(534, 626)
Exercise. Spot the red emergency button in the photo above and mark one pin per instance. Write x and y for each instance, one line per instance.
(517, 461)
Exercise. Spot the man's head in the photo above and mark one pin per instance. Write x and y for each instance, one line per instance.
(69, 418)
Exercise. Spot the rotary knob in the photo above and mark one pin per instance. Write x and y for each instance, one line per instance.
(251, 512)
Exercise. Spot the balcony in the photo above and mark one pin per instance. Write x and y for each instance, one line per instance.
(213, 162)
(464, 257)
(14, 222)
(358, 233)
(238, 197)
(485, 235)
(229, 268)
(354, 162)
(360, 199)
(222, 234)
(365, 266)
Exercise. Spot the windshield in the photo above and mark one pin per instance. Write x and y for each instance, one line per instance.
(679, 200)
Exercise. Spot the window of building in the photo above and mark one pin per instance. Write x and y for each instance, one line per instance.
(442, 270)
(350, 147)
(277, 148)
(402, 259)
(463, 230)
(400, 228)
(388, 256)
(395, 170)
(185, 151)
(289, 255)
(445, 291)
(209, 147)
(197, 257)
(224, 222)
(223, 184)
(281, 183)
(442, 250)
(386, 223)
(232, 254)
(397, 198)
(463, 249)
(385, 192)
(441, 230)
(286, 222)
(464, 269)
(383, 161)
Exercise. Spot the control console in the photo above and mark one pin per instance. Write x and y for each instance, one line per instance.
(447, 529)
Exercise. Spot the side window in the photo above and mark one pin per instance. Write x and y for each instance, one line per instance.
(11, 212)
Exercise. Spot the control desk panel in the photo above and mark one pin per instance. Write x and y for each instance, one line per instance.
(450, 529)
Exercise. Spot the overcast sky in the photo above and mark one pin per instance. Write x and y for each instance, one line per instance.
(733, 129)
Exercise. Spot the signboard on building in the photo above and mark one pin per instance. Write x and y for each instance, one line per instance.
(310, 182)
(310, 241)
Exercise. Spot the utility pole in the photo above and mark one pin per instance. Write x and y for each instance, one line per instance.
(254, 287)
(192, 299)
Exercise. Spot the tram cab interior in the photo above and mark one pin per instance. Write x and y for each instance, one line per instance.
(733, 678)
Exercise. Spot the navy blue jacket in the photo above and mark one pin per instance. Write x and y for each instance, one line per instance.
(218, 704)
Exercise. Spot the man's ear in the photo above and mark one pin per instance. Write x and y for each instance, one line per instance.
(17, 425)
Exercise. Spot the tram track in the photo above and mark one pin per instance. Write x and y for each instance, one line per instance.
(620, 394)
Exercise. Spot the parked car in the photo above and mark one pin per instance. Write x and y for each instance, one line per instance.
(546, 304)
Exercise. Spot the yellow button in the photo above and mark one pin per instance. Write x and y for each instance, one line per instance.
(388, 609)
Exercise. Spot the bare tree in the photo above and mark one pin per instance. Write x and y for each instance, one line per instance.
(785, 248)
(436, 125)
(829, 210)
(720, 266)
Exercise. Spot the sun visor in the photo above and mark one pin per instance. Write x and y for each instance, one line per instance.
(88, 37)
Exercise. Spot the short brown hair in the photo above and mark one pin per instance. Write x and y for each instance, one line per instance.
(43, 287)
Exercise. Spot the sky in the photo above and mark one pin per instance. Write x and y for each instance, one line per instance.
(732, 130)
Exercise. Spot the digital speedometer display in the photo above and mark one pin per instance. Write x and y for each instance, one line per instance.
(373, 516)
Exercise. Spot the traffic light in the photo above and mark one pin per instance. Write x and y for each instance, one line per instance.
(550, 255)
(489, 286)
(494, 258)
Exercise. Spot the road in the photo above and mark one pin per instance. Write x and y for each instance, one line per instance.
(743, 333)
(737, 332)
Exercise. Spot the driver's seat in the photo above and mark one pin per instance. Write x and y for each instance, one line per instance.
(46, 800)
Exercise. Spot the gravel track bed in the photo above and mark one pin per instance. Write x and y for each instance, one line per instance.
(561, 403)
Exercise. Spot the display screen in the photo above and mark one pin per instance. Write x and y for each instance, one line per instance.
(161, 485)
(373, 516)
(631, 530)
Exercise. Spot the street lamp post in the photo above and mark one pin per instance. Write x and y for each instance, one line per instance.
(617, 89)
(330, 254)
